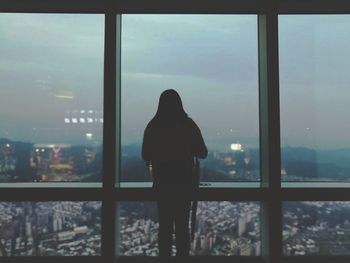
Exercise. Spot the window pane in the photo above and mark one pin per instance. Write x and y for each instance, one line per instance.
(50, 228)
(51, 97)
(211, 60)
(316, 228)
(314, 62)
(222, 228)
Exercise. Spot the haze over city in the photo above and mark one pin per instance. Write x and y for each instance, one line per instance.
(212, 60)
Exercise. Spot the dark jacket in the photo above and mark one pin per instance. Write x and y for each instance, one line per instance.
(171, 150)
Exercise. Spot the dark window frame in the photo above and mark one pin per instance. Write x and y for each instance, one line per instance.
(270, 194)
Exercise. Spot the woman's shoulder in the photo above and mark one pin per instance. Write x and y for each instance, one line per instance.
(191, 123)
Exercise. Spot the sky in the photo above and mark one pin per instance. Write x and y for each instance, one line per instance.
(51, 68)
(51, 71)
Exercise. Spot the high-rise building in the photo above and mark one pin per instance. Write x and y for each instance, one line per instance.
(242, 224)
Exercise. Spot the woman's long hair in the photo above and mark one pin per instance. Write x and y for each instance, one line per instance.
(170, 110)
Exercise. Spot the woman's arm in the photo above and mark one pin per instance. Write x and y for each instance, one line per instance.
(200, 150)
(146, 145)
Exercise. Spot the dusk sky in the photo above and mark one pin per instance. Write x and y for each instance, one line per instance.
(51, 69)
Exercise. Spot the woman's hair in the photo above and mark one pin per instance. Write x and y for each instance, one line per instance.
(170, 109)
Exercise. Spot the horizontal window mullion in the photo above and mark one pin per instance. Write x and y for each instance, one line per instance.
(135, 6)
(86, 259)
(313, 7)
(318, 259)
(191, 6)
(61, 6)
(202, 195)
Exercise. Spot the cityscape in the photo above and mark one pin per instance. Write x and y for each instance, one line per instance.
(316, 228)
(222, 228)
(50, 228)
(45, 162)
(28, 162)
(241, 163)
(238, 164)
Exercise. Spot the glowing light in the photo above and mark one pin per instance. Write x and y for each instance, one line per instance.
(66, 97)
(64, 94)
(37, 150)
(82, 120)
(74, 120)
(101, 120)
(42, 150)
(89, 136)
(82, 111)
(90, 120)
(7, 145)
(66, 120)
(90, 111)
(236, 147)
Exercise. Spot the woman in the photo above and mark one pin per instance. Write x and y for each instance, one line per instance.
(171, 141)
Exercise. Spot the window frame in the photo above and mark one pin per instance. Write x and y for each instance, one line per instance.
(270, 194)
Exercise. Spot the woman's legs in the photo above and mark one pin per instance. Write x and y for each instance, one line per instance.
(166, 223)
(182, 214)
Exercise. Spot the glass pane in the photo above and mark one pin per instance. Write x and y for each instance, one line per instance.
(314, 62)
(50, 228)
(316, 228)
(222, 228)
(51, 97)
(211, 60)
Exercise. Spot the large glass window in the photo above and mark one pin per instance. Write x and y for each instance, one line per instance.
(314, 62)
(51, 97)
(50, 228)
(222, 229)
(212, 61)
(57, 74)
(316, 228)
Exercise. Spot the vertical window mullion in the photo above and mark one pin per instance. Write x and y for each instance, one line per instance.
(270, 132)
(109, 138)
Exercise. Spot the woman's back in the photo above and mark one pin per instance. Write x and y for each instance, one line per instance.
(179, 142)
(171, 150)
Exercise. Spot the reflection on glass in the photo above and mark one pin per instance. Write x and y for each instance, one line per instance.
(222, 228)
(316, 228)
(51, 97)
(50, 228)
(211, 61)
(315, 97)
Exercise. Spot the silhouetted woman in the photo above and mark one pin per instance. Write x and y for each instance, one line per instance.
(171, 141)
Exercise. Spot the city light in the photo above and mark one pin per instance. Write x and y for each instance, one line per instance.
(64, 97)
(236, 147)
(89, 136)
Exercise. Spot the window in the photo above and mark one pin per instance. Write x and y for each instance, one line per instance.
(212, 61)
(54, 132)
(222, 229)
(314, 139)
(316, 228)
(68, 70)
(51, 228)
